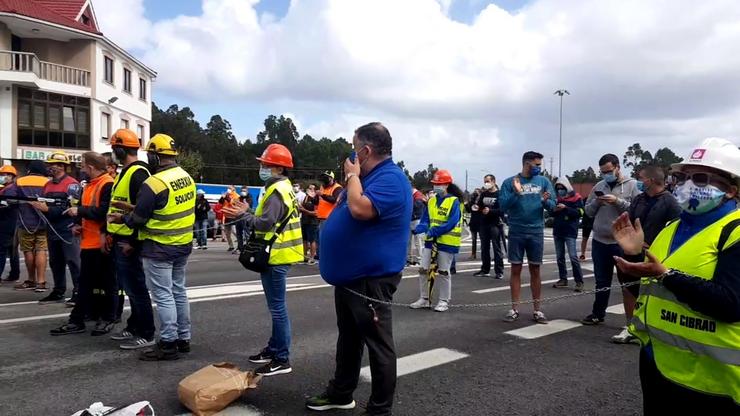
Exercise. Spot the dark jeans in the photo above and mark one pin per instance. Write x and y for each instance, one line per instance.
(603, 257)
(357, 329)
(561, 243)
(491, 235)
(661, 396)
(98, 292)
(474, 232)
(62, 256)
(241, 234)
(9, 248)
(130, 275)
(201, 232)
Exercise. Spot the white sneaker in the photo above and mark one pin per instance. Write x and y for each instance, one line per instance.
(623, 337)
(442, 306)
(539, 317)
(421, 303)
(511, 316)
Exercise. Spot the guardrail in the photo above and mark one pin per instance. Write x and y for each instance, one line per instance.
(29, 62)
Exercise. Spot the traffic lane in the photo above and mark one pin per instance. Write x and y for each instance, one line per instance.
(233, 329)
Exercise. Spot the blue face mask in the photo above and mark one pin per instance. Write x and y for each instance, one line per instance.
(265, 173)
(609, 177)
(535, 170)
(641, 186)
(562, 193)
(439, 190)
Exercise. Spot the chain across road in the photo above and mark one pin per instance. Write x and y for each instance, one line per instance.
(502, 304)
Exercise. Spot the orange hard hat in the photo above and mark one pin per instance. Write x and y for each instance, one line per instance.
(9, 169)
(442, 177)
(277, 155)
(125, 138)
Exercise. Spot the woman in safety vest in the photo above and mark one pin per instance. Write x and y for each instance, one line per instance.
(688, 312)
(442, 223)
(277, 206)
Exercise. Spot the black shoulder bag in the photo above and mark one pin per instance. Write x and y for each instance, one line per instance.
(256, 253)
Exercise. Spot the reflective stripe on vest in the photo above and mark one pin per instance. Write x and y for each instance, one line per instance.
(179, 213)
(90, 238)
(325, 207)
(288, 246)
(120, 192)
(439, 215)
(690, 348)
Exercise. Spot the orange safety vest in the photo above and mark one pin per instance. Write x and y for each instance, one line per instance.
(325, 208)
(91, 197)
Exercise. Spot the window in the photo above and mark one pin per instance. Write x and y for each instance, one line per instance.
(140, 132)
(108, 70)
(104, 126)
(127, 80)
(124, 123)
(142, 89)
(55, 120)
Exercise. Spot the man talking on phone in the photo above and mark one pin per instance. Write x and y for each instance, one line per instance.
(608, 200)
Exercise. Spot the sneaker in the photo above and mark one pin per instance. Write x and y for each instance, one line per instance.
(124, 335)
(204, 248)
(67, 329)
(54, 297)
(40, 288)
(263, 357)
(624, 337)
(499, 276)
(511, 316)
(539, 317)
(230, 249)
(579, 287)
(102, 328)
(561, 283)
(312, 262)
(27, 285)
(324, 402)
(481, 273)
(135, 343)
(421, 303)
(161, 351)
(71, 302)
(183, 346)
(592, 320)
(442, 306)
(274, 368)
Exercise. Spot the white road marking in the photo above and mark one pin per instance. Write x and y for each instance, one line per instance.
(238, 410)
(540, 330)
(617, 309)
(504, 288)
(421, 361)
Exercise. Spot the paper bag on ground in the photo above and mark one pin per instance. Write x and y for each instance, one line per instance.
(212, 388)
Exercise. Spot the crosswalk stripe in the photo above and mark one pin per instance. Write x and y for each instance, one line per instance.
(504, 288)
(617, 309)
(421, 361)
(539, 330)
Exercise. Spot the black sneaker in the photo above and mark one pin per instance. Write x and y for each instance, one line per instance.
(263, 357)
(124, 335)
(68, 329)
(499, 276)
(183, 346)
(324, 402)
(592, 320)
(53, 297)
(481, 273)
(102, 328)
(561, 283)
(162, 351)
(71, 302)
(136, 343)
(274, 368)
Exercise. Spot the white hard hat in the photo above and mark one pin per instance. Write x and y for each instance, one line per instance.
(717, 153)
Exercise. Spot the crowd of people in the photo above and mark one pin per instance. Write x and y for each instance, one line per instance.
(675, 252)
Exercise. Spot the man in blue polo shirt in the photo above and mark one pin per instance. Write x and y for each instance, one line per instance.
(363, 249)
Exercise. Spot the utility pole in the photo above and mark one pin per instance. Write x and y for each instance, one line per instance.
(560, 152)
(551, 166)
(466, 180)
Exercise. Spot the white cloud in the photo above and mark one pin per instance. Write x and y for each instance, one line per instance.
(663, 72)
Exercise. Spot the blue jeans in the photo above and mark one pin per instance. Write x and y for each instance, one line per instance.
(603, 256)
(560, 245)
(166, 280)
(201, 232)
(130, 274)
(273, 283)
(61, 257)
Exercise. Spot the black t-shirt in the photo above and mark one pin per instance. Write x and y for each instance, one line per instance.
(489, 199)
(310, 204)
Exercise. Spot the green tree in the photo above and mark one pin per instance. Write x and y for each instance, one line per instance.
(192, 162)
(422, 179)
(406, 172)
(584, 176)
(665, 157)
(636, 158)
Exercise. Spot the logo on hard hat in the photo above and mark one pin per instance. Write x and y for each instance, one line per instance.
(698, 155)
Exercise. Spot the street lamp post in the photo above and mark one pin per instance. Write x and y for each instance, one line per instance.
(560, 150)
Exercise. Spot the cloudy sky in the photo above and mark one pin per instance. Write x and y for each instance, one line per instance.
(463, 84)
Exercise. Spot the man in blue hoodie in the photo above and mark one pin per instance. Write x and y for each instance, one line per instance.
(525, 197)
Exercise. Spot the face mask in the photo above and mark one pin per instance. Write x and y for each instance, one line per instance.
(641, 186)
(244, 194)
(439, 190)
(296, 189)
(265, 173)
(562, 193)
(609, 177)
(535, 170)
(118, 155)
(153, 160)
(698, 200)
(3, 180)
(488, 185)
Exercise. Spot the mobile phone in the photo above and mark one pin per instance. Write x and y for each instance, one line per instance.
(352, 157)
(598, 193)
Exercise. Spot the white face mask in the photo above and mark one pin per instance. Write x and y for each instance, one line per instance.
(698, 199)
(488, 185)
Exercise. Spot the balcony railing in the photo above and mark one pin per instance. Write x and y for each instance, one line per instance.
(28, 62)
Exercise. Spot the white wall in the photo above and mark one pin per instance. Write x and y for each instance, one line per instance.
(6, 122)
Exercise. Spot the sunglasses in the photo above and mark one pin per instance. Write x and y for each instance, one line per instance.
(700, 179)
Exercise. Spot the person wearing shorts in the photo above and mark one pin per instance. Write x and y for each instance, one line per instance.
(310, 224)
(524, 198)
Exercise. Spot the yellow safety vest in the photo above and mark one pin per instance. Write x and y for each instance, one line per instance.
(690, 349)
(439, 215)
(173, 224)
(288, 246)
(120, 192)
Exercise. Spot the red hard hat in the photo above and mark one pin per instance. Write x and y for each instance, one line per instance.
(277, 155)
(442, 177)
